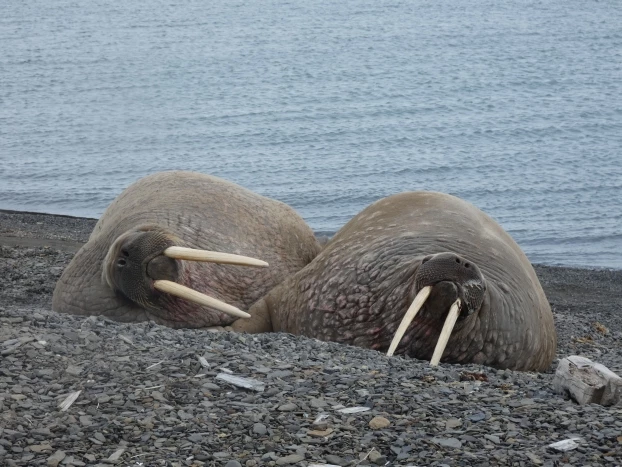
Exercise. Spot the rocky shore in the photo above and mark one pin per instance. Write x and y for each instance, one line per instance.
(148, 395)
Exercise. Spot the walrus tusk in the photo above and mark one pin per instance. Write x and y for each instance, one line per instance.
(417, 303)
(450, 322)
(182, 291)
(190, 254)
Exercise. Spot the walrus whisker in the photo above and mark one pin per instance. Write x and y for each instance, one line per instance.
(450, 322)
(191, 254)
(189, 294)
(416, 305)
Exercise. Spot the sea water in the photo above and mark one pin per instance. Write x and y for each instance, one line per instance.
(515, 106)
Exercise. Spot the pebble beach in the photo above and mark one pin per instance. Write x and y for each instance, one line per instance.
(144, 394)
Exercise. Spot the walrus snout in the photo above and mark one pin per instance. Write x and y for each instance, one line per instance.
(126, 265)
(162, 268)
(453, 268)
(450, 287)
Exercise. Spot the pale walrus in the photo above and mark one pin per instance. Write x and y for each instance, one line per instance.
(400, 251)
(146, 257)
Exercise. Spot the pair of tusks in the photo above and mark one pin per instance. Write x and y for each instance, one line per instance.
(190, 254)
(412, 311)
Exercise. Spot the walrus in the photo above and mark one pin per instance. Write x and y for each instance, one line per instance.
(462, 289)
(185, 250)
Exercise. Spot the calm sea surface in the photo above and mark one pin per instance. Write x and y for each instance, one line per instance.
(326, 105)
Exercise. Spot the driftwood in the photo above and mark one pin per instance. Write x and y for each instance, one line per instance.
(588, 382)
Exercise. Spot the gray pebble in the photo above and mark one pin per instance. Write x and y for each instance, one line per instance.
(259, 429)
(55, 458)
(291, 459)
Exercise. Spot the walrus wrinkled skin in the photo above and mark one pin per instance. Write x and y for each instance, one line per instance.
(115, 272)
(357, 290)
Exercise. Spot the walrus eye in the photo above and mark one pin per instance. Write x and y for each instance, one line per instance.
(121, 262)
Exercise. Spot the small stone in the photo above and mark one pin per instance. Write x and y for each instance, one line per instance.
(321, 421)
(533, 458)
(41, 432)
(376, 458)
(378, 423)
(319, 433)
(248, 383)
(353, 410)
(291, 459)
(448, 442)
(452, 423)
(336, 460)
(40, 447)
(73, 370)
(184, 416)
(260, 429)
(566, 444)
(477, 417)
(211, 386)
(318, 403)
(85, 420)
(290, 407)
(71, 335)
(56, 458)
(233, 464)
(116, 456)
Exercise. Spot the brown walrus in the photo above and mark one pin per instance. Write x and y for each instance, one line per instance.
(399, 251)
(145, 259)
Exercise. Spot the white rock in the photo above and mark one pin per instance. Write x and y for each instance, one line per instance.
(246, 383)
(566, 444)
(351, 410)
(587, 382)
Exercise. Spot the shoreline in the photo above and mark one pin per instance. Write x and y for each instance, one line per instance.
(146, 394)
(10, 234)
(36, 213)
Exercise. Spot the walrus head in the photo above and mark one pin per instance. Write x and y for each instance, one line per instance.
(144, 266)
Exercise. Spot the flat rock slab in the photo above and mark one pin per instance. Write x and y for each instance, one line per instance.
(588, 382)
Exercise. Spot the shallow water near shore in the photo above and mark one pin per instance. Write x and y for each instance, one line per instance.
(327, 106)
